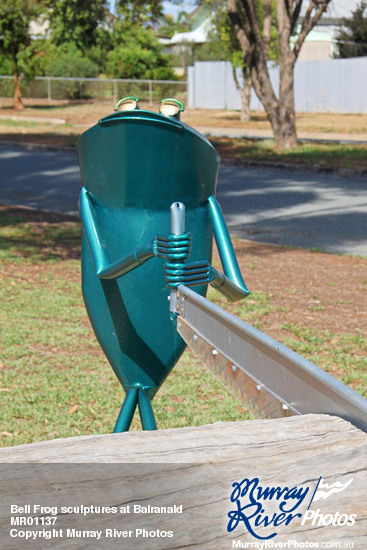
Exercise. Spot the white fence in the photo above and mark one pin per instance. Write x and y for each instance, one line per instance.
(50, 88)
(336, 85)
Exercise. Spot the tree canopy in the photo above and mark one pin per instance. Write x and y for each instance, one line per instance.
(138, 11)
(15, 40)
(76, 21)
(351, 38)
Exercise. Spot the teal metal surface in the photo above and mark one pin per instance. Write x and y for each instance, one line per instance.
(146, 412)
(134, 165)
(231, 283)
(127, 411)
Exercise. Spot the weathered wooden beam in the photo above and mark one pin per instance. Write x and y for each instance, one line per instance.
(194, 467)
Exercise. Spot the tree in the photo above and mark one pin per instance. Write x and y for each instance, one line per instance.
(223, 44)
(170, 25)
(352, 35)
(139, 11)
(76, 21)
(224, 41)
(136, 54)
(135, 51)
(69, 61)
(15, 40)
(254, 40)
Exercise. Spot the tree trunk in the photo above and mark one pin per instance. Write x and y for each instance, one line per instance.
(288, 135)
(18, 103)
(245, 93)
(281, 112)
(246, 97)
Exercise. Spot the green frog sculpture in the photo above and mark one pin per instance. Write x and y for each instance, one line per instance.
(134, 165)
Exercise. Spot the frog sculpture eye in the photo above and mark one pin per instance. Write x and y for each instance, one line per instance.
(129, 103)
(171, 107)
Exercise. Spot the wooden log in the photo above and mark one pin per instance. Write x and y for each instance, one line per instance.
(194, 468)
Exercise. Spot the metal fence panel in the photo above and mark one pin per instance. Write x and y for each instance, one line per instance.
(51, 88)
(335, 85)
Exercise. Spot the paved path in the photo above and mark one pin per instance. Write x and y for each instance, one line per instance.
(295, 208)
(39, 178)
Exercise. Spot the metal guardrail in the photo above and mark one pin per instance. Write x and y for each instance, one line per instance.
(54, 87)
(269, 378)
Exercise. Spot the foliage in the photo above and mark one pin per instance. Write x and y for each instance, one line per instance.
(16, 46)
(137, 54)
(223, 36)
(85, 40)
(139, 11)
(6, 65)
(76, 21)
(170, 25)
(69, 61)
(352, 35)
(15, 40)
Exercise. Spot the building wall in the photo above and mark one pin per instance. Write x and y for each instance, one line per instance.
(336, 85)
(315, 51)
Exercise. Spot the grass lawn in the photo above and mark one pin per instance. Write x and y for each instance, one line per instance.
(310, 154)
(54, 379)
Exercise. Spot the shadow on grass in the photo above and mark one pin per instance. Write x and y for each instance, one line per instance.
(45, 138)
(311, 154)
(38, 236)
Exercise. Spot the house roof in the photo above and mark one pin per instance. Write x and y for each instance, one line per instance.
(201, 24)
(198, 36)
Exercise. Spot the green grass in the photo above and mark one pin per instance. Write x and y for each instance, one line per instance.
(54, 379)
(14, 123)
(22, 242)
(342, 355)
(56, 382)
(324, 155)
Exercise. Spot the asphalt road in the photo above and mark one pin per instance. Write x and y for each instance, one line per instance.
(296, 208)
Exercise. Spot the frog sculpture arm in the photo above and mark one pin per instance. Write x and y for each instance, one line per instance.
(175, 249)
(231, 283)
(172, 248)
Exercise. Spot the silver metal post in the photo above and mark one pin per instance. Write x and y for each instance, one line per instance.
(177, 228)
(49, 97)
(177, 218)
